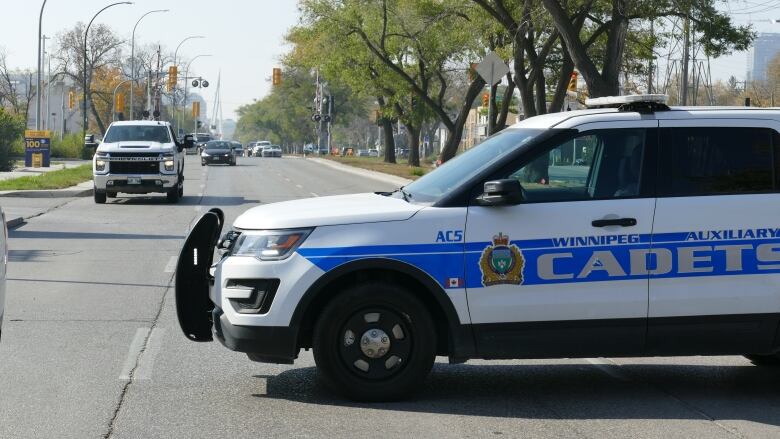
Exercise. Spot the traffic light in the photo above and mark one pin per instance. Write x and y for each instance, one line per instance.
(485, 99)
(196, 109)
(173, 76)
(573, 82)
(276, 78)
(200, 124)
(120, 103)
(71, 100)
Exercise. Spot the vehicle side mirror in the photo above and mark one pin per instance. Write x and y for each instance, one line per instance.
(90, 142)
(189, 141)
(507, 192)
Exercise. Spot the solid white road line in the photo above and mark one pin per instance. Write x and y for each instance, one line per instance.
(132, 353)
(170, 267)
(146, 362)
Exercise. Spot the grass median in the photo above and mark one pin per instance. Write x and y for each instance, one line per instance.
(401, 169)
(60, 179)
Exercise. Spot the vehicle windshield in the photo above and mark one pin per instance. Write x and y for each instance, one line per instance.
(137, 133)
(215, 144)
(434, 185)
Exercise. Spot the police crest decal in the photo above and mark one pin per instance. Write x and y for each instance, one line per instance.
(501, 263)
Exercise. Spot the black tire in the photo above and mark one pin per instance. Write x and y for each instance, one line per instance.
(100, 197)
(173, 195)
(181, 186)
(110, 194)
(764, 359)
(348, 313)
(203, 163)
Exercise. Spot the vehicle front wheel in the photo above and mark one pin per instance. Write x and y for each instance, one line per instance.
(374, 342)
(100, 197)
(764, 359)
(173, 195)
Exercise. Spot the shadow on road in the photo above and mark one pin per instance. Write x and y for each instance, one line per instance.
(187, 200)
(552, 391)
(32, 234)
(118, 284)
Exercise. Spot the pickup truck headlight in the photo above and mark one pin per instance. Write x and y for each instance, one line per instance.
(168, 165)
(100, 162)
(270, 245)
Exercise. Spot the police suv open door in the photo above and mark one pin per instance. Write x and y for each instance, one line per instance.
(562, 271)
(193, 280)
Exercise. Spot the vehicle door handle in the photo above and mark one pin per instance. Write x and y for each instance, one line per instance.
(622, 222)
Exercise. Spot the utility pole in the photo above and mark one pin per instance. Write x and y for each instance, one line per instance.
(650, 64)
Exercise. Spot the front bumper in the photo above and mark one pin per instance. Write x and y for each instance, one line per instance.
(269, 344)
(149, 183)
(218, 159)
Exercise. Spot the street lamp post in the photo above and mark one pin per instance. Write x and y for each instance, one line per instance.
(132, 57)
(38, 90)
(187, 76)
(84, 89)
(175, 58)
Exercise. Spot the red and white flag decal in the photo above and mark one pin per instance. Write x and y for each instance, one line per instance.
(455, 282)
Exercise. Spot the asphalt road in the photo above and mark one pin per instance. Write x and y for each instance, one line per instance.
(90, 299)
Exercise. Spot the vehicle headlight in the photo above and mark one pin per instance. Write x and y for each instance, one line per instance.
(100, 165)
(203, 154)
(270, 245)
(168, 165)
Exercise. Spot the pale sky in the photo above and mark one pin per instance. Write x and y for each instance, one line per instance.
(245, 37)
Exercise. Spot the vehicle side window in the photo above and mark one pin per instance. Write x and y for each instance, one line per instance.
(710, 161)
(600, 164)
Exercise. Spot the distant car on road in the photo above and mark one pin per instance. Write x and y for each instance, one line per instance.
(373, 153)
(3, 265)
(238, 148)
(272, 151)
(217, 151)
(362, 153)
(257, 150)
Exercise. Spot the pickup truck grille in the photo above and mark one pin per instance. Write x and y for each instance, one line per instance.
(134, 154)
(134, 167)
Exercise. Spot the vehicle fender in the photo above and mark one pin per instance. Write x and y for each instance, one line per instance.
(461, 340)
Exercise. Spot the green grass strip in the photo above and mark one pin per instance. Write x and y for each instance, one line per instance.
(62, 178)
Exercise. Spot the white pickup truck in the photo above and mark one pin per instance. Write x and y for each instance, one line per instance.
(140, 157)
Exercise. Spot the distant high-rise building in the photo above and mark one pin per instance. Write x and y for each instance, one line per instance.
(765, 48)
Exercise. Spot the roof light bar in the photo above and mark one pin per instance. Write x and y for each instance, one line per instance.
(617, 101)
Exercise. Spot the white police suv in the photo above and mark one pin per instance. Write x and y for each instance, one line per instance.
(629, 230)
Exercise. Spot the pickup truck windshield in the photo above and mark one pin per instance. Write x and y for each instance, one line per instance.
(137, 133)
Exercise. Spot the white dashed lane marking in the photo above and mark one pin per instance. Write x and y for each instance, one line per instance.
(314, 194)
(146, 363)
(132, 353)
(171, 266)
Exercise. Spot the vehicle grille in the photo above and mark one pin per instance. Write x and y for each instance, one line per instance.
(134, 167)
(135, 154)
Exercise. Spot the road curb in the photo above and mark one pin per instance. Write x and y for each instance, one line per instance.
(376, 175)
(80, 190)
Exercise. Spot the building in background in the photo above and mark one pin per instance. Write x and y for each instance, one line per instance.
(765, 48)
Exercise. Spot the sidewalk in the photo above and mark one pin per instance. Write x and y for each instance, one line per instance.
(381, 176)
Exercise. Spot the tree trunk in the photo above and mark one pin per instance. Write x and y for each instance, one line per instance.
(505, 104)
(455, 133)
(493, 110)
(389, 142)
(567, 67)
(98, 119)
(413, 132)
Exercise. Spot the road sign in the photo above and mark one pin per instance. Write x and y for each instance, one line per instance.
(37, 148)
(492, 68)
